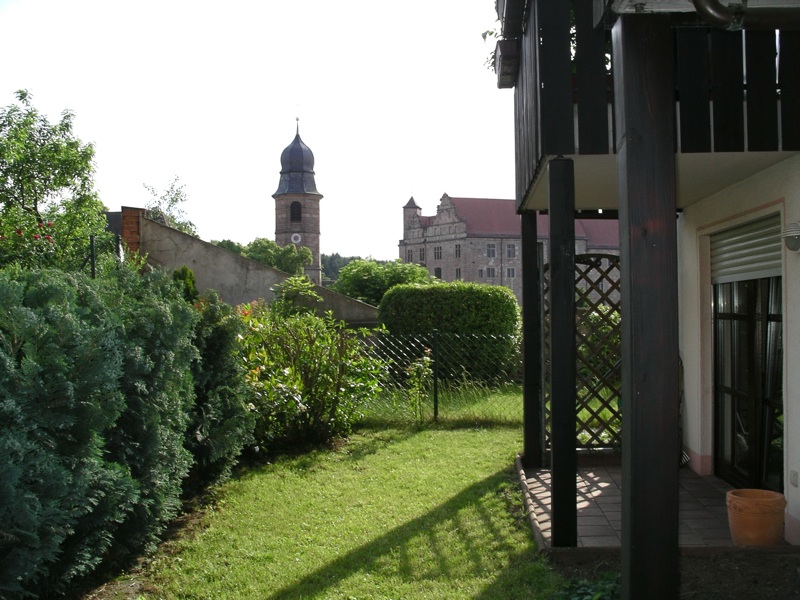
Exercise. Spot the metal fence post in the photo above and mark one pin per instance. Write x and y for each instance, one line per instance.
(435, 375)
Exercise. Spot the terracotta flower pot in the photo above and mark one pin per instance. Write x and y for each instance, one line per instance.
(755, 517)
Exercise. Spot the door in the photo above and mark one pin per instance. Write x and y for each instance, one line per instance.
(748, 383)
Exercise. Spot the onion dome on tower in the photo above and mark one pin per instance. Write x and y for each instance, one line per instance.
(297, 169)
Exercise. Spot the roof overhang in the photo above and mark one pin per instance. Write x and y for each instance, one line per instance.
(698, 176)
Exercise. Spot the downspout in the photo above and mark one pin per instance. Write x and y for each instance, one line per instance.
(737, 17)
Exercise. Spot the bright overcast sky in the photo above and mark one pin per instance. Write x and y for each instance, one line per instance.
(393, 99)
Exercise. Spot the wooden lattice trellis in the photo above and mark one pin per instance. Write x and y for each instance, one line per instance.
(598, 382)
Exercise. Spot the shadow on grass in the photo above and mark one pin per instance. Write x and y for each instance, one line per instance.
(471, 555)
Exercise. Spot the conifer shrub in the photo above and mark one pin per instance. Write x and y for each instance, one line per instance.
(60, 497)
(221, 421)
(157, 384)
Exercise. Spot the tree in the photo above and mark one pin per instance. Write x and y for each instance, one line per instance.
(369, 280)
(48, 205)
(332, 264)
(165, 207)
(289, 259)
(234, 247)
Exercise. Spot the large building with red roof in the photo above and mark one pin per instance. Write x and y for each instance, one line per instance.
(478, 240)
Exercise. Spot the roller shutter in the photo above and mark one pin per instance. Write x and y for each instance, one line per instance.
(750, 251)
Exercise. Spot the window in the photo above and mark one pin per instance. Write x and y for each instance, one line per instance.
(511, 251)
(490, 250)
(458, 250)
(437, 272)
(409, 255)
(295, 212)
(458, 273)
(490, 273)
(480, 273)
(437, 253)
(511, 272)
(422, 255)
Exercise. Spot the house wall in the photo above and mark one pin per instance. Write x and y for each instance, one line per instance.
(776, 189)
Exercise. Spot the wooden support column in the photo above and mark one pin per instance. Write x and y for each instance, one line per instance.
(644, 93)
(564, 523)
(532, 414)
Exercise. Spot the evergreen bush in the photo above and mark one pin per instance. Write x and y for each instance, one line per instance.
(158, 389)
(221, 422)
(60, 498)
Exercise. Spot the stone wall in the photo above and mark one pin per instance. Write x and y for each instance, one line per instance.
(237, 279)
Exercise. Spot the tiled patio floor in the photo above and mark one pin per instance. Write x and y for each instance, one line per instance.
(703, 516)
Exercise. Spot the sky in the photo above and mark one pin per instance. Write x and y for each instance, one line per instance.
(393, 98)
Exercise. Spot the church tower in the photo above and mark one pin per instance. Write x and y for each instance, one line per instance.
(297, 219)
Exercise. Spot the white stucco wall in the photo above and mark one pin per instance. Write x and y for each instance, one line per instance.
(776, 189)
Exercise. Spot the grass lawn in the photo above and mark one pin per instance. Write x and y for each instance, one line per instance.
(403, 513)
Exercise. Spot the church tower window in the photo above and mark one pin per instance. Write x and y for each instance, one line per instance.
(295, 212)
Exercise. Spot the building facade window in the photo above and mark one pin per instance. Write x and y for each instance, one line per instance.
(437, 253)
(458, 250)
(422, 255)
(295, 212)
(490, 251)
(511, 272)
(409, 255)
(437, 272)
(480, 273)
(489, 272)
(458, 273)
(511, 251)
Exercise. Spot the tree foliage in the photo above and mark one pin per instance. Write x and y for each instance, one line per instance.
(165, 207)
(369, 280)
(289, 259)
(48, 205)
(333, 263)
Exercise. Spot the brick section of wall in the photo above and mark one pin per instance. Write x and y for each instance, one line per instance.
(132, 227)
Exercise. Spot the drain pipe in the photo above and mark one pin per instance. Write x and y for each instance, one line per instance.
(736, 17)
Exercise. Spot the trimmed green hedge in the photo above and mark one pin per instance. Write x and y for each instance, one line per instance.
(456, 307)
(463, 308)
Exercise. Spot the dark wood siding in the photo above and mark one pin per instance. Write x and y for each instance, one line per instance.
(735, 91)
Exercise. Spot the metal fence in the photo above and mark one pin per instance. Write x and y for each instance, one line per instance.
(447, 377)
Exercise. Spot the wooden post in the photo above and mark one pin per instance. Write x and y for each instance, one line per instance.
(644, 93)
(532, 423)
(562, 353)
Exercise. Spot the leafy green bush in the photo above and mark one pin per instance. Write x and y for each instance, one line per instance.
(221, 423)
(157, 385)
(369, 280)
(309, 375)
(60, 498)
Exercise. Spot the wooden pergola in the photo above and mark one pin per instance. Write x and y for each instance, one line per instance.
(590, 135)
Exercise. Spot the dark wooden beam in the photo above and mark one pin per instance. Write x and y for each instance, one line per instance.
(643, 66)
(789, 79)
(727, 88)
(762, 94)
(564, 519)
(554, 86)
(693, 89)
(591, 80)
(532, 413)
